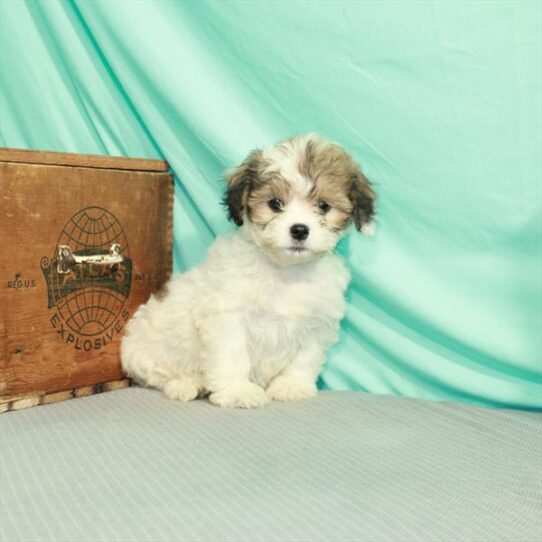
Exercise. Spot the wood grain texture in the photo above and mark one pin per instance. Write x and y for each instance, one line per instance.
(62, 334)
(16, 403)
(81, 160)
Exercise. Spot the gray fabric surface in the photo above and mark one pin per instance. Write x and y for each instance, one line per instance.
(133, 466)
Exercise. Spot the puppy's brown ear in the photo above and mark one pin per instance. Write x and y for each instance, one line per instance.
(362, 197)
(240, 180)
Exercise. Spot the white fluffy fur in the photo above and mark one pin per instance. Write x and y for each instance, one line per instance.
(238, 326)
(252, 323)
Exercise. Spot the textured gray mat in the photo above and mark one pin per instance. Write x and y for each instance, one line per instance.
(133, 466)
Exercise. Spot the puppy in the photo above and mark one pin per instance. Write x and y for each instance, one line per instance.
(253, 322)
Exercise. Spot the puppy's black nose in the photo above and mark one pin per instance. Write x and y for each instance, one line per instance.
(299, 232)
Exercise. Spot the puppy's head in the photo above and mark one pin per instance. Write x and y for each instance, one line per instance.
(298, 197)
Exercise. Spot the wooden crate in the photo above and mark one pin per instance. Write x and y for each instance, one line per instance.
(63, 310)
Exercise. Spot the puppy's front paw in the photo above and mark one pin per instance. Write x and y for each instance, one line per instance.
(182, 389)
(241, 395)
(290, 388)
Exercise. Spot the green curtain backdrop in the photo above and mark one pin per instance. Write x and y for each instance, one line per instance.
(441, 102)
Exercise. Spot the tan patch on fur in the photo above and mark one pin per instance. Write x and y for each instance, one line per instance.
(337, 219)
(323, 159)
(259, 211)
(241, 180)
(332, 169)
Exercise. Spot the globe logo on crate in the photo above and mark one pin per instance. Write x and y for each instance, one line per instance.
(88, 279)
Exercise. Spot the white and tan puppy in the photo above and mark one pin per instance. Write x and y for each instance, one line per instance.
(255, 320)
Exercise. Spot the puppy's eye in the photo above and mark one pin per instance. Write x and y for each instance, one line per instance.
(276, 204)
(324, 206)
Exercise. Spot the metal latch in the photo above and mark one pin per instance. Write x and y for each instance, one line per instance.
(67, 259)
